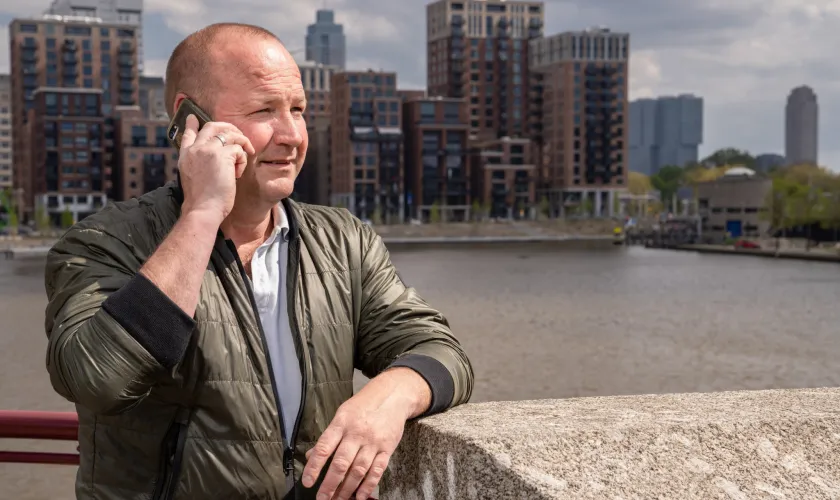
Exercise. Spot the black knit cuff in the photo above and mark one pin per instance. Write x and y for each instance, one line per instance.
(436, 375)
(148, 315)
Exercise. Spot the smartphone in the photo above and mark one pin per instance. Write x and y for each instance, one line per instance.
(179, 121)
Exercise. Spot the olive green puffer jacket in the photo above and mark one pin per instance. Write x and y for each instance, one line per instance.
(173, 407)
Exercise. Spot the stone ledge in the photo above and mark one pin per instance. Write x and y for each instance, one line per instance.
(779, 444)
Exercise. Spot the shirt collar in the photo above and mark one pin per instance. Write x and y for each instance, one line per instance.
(281, 223)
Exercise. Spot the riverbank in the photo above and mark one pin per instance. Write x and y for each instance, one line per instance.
(549, 231)
(816, 254)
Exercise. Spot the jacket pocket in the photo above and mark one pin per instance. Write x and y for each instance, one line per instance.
(172, 452)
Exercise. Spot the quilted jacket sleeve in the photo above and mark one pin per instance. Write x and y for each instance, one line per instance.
(100, 321)
(398, 328)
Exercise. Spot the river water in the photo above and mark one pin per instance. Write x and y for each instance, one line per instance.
(543, 321)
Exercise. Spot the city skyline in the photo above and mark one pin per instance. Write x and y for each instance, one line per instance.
(743, 57)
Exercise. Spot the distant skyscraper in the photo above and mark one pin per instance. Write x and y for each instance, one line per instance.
(664, 131)
(801, 126)
(325, 41)
(128, 12)
(478, 50)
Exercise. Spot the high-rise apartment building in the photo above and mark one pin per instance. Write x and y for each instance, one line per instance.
(152, 99)
(66, 136)
(584, 105)
(317, 78)
(478, 50)
(5, 132)
(367, 140)
(664, 131)
(325, 40)
(66, 53)
(801, 126)
(128, 12)
(437, 162)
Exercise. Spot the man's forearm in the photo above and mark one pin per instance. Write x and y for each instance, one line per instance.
(177, 266)
(403, 388)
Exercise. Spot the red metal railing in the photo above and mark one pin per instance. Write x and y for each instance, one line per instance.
(61, 426)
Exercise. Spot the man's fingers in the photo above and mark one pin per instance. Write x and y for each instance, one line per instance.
(374, 475)
(319, 455)
(190, 132)
(231, 134)
(358, 471)
(340, 466)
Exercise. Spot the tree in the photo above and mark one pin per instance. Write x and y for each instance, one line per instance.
(67, 219)
(376, 217)
(434, 213)
(475, 211)
(667, 181)
(730, 157)
(545, 208)
(42, 219)
(585, 207)
(638, 184)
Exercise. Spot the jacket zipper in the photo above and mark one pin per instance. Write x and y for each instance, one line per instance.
(288, 451)
(291, 286)
(170, 464)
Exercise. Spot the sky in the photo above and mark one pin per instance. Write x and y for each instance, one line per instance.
(742, 56)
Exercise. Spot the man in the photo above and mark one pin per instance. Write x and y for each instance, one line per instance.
(209, 330)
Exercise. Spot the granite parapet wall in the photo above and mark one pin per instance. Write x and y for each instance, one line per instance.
(779, 444)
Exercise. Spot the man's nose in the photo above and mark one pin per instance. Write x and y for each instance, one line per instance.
(286, 131)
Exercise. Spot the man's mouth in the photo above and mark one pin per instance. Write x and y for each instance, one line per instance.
(278, 162)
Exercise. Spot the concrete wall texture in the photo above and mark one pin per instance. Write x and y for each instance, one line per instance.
(778, 444)
(664, 131)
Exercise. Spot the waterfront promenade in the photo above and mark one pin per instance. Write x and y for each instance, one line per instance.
(550, 321)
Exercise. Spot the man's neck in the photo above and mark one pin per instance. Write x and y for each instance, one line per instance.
(251, 225)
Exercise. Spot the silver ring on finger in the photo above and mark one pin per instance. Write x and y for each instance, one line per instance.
(221, 139)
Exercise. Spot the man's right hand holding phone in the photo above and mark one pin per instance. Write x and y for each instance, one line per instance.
(210, 161)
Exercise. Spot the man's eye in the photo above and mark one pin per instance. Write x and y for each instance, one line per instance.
(297, 110)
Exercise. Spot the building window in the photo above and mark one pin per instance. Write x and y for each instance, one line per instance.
(427, 111)
(28, 28)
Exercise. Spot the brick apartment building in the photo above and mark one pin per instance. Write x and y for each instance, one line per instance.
(437, 166)
(5, 133)
(584, 117)
(478, 50)
(144, 159)
(66, 134)
(66, 52)
(505, 177)
(367, 140)
(317, 79)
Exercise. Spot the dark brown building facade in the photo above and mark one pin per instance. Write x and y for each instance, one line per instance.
(313, 182)
(66, 52)
(437, 161)
(478, 50)
(505, 177)
(66, 152)
(144, 158)
(367, 140)
(584, 117)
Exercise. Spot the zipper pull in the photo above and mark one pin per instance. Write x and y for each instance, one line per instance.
(288, 461)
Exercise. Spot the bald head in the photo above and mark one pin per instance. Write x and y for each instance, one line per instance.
(191, 67)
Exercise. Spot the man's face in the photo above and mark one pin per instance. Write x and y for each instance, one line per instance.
(263, 96)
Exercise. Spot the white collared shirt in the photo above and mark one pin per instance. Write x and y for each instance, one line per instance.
(268, 271)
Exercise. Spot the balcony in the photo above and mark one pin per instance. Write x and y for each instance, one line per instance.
(125, 61)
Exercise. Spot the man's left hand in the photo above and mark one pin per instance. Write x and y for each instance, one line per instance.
(364, 433)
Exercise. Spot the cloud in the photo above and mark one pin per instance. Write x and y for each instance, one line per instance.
(742, 56)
